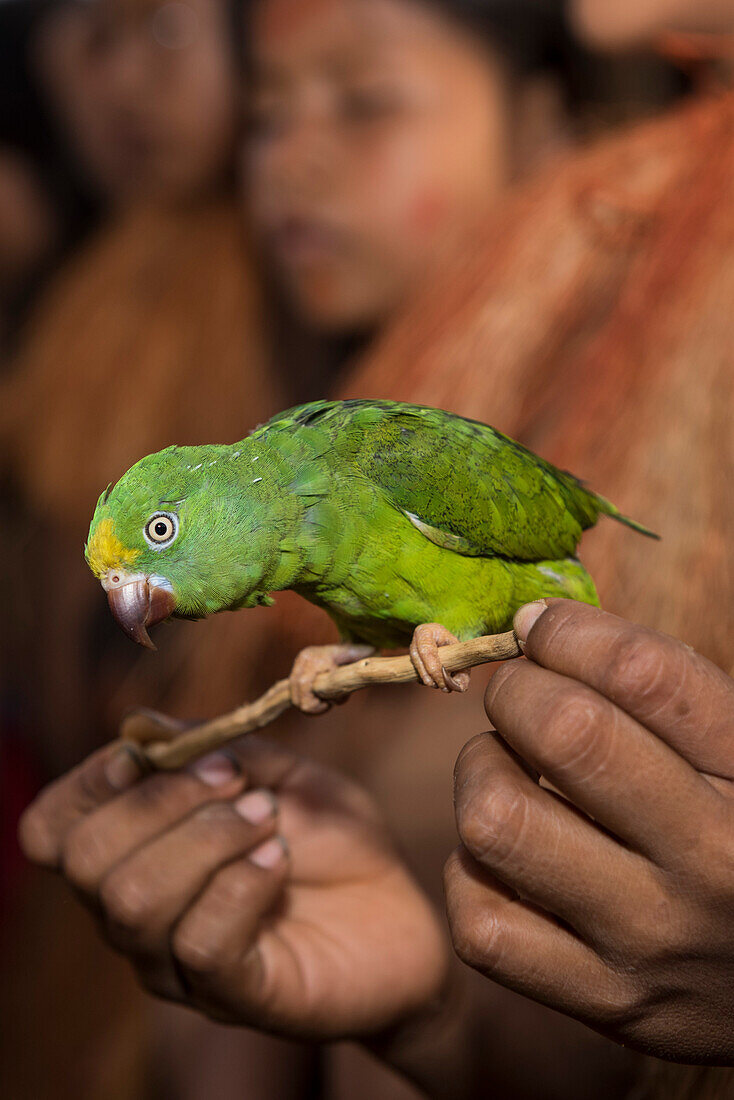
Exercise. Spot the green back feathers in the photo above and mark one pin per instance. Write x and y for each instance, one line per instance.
(463, 484)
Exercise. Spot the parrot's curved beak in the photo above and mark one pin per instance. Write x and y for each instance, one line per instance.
(137, 604)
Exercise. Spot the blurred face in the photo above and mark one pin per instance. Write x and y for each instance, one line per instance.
(625, 22)
(27, 226)
(146, 92)
(379, 130)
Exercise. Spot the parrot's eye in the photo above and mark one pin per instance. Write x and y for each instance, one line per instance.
(160, 530)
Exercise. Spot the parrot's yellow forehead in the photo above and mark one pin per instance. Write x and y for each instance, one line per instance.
(105, 551)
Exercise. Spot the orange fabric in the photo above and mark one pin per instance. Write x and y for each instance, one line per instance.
(595, 323)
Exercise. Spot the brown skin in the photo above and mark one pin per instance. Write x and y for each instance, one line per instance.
(146, 94)
(613, 903)
(292, 913)
(380, 129)
(628, 22)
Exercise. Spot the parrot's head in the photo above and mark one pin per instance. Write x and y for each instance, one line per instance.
(164, 540)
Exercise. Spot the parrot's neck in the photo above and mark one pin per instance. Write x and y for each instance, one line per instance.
(292, 534)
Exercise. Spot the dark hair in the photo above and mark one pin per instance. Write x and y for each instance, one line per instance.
(28, 126)
(30, 132)
(535, 37)
(531, 34)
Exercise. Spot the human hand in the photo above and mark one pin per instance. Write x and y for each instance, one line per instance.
(189, 876)
(614, 903)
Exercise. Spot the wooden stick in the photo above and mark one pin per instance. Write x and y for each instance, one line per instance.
(164, 747)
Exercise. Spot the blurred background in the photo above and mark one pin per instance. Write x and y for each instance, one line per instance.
(214, 209)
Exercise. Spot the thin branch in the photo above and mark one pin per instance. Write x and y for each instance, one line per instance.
(164, 747)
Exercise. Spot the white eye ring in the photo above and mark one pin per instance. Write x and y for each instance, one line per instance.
(161, 530)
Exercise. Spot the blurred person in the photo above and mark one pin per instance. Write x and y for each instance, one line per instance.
(45, 205)
(381, 130)
(382, 133)
(143, 93)
(104, 105)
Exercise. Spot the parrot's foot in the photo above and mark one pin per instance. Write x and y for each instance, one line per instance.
(314, 660)
(424, 647)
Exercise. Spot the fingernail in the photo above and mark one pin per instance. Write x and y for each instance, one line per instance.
(256, 806)
(215, 770)
(269, 854)
(526, 618)
(122, 769)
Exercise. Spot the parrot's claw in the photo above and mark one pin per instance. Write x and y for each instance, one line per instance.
(452, 683)
(310, 663)
(424, 647)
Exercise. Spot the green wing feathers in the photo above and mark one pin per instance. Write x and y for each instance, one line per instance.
(464, 485)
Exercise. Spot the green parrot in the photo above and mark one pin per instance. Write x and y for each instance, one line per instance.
(408, 525)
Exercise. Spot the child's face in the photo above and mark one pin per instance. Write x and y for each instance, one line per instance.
(379, 129)
(146, 91)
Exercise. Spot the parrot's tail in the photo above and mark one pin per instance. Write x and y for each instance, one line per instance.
(608, 509)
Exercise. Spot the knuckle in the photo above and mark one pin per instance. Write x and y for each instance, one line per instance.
(617, 1004)
(492, 825)
(652, 939)
(453, 881)
(712, 868)
(126, 902)
(82, 858)
(198, 954)
(231, 888)
(657, 935)
(478, 932)
(217, 830)
(212, 817)
(155, 794)
(479, 940)
(576, 732)
(164, 797)
(36, 839)
(90, 785)
(638, 665)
